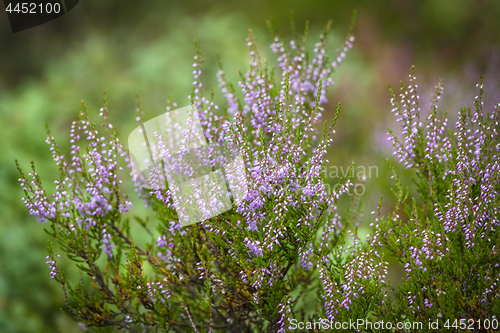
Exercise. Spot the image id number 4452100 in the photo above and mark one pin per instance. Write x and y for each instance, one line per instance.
(33, 8)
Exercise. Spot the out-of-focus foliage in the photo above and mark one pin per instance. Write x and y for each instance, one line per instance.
(124, 47)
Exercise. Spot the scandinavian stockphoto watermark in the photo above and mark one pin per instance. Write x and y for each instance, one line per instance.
(360, 172)
(411, 326)
(171, 151)
(354, 325)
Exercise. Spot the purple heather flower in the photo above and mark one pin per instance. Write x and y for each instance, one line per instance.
(107, 242)
(88, 188)
(304, 257)
(254, 247)
(163, 242)
(52, 265)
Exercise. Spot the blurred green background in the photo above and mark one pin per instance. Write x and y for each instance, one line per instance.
(125, 47)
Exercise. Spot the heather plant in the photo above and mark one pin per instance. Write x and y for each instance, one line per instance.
(277, 255)
(446, 239)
